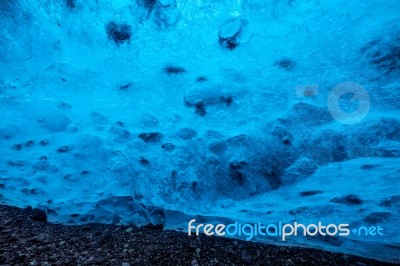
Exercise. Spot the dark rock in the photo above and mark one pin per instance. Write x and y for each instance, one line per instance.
(38, 215)
(151, 137)
(119, 33)
(350, 199)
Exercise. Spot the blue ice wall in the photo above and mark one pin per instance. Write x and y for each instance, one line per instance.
(154, 111)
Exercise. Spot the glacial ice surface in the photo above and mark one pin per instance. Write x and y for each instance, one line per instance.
(144, 111)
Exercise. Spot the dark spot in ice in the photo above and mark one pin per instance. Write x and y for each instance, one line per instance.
(138, 196)
(44, 142)
(377, 217)
(85, 172)
(369, 166)
(17, 163)
(43, 158)
(168, 147)
(17, 147)
(384, 54)
(350, 199)
(173, 70)
(235, 171)
(51, 211)
(391, 201)
(186, 133)
(98, 118)
(200, 108)
(120, 134)
(218, 147)
(45, 166)
(230, 43)
(125, 86)
(286, 64)
(29, 143)
(202, 79)
(286, 141)
(144, 161)
(2, 185)
(151, 137)
(148, 4)
(299, 210)
(64, 149)
(64, 106)
(32, 191)
(71, 3)
(119, 33)
(310, 193)
(227, 100)
(274, 177)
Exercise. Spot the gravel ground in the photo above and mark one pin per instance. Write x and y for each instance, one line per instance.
(27, 239)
